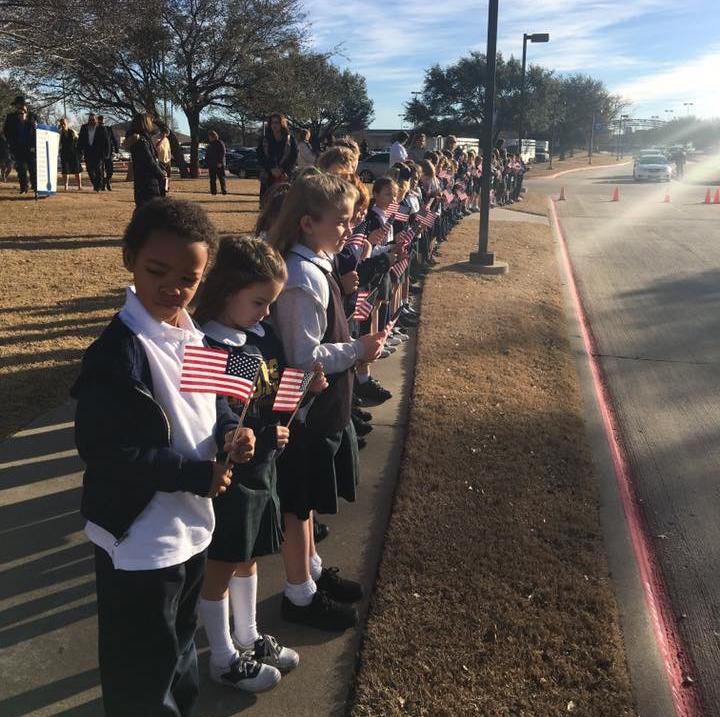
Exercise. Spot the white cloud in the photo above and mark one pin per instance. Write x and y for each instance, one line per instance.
(696, 81)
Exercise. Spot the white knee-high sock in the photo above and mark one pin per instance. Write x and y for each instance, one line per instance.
(243, 599)
(215, 616)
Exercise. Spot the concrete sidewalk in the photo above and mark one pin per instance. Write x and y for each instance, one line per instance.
(48, 628)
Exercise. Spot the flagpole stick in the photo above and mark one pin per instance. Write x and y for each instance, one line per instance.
(242, 416)
(297, 408)
(238, 427)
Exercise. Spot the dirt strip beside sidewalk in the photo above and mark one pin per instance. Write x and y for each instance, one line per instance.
(493, 596)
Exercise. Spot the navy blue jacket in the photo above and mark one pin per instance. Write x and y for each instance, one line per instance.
(124, 437)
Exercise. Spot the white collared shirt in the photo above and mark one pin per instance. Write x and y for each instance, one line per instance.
(398, 153)
(173, 526)
(300, 315)
(91, 134)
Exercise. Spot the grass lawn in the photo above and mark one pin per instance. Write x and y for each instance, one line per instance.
(62, 279)
(493, 596)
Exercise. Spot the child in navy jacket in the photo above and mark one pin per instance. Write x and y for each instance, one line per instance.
(150, 467)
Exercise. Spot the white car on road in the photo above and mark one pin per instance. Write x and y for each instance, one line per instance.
(653, 166)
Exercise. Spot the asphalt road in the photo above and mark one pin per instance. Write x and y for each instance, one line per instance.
(649, 276)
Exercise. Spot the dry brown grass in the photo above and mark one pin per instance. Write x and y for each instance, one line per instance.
(532, 203)
(493, 596)
(62, 279)
(579, 160)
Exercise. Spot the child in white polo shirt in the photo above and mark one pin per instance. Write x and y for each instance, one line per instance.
(151, 472)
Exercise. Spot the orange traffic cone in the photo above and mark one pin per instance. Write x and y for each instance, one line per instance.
(707, 196)
(666, 200)
(616, 195)
(562, 193)
(716, 199)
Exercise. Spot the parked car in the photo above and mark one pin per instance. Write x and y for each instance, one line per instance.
(244, 164)
(652, 166)
(376, 165)
(541, 156)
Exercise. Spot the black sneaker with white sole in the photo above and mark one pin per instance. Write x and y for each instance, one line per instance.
(268, 651)
(338, 588)
(323, 612)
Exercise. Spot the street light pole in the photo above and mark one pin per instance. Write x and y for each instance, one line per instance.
(533, 37)
(484, 260)
(687, 106)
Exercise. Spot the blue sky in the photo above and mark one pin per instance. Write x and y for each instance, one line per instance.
(656, 53)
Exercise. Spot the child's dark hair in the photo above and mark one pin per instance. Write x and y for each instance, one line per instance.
(379, 184)
(241, 261)
(270, 206)
(186, 220)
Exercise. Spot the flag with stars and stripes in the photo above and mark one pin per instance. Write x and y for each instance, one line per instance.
(293, 387)
(364, 304)
(426, 218)
(392, 209)
(227, 373)
(398, 269)
(358, 236)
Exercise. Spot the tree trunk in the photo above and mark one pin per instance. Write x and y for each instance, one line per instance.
(193, 118)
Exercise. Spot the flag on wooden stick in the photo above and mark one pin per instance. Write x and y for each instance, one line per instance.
(292, 389)
(227, 373)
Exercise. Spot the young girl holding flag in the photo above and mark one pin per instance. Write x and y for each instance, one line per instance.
(247, 277)
(321, 462)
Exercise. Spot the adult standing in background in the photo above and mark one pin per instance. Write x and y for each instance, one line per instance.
(215, 159)
(164, 153)
(418, 149)
(398, 153)
(92, 144)
(277, 152)
(148, 176)
(112, 149)
(69, 157)
(306, 154)
(19, 130)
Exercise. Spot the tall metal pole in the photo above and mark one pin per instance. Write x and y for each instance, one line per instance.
(483, 256)
(592, 138)
(522, 95)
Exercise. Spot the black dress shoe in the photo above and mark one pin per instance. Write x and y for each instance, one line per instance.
(323, 612)
(361, 443)
(362, 415)
(339, 588)
(372, 392)
(357, 401)
(362, 428)
(320, 531)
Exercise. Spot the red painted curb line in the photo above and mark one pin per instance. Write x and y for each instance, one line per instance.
(677, 664)
(581, 169)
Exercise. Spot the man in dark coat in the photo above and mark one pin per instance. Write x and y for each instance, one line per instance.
(93, 145)
(215, 159)
(112, 149)
(19, 130)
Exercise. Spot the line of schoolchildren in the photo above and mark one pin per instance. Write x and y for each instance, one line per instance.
(180, 497)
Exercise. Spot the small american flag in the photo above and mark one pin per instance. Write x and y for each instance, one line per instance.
(392, 209)
(391, 324)
(398, 269)
(358, 236)
(461, 195)
(426, 219)
(364, 305)
(293, 386)
(447, 196)
(210, 370)
(401, 217)
(404, 237)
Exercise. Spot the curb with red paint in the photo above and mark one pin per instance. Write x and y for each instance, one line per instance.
(581, 169)
(675, 658)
